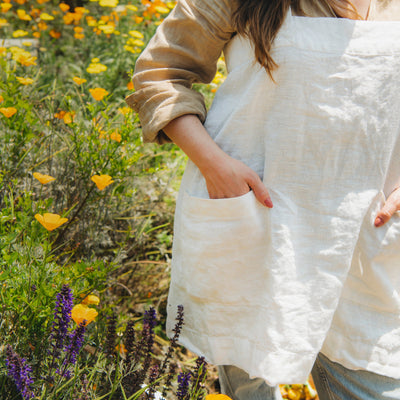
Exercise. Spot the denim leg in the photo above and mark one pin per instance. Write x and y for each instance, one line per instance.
(236, 384)
(335, 382)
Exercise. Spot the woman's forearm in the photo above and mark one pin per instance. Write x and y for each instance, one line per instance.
(225, 176)
(190, 135)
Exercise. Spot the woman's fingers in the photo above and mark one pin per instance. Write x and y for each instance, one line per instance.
(260, 191)
(391, 206)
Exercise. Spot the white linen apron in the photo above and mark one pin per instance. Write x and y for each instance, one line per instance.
(266, 289)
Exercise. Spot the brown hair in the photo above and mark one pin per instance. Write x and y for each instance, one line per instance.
(260, 21)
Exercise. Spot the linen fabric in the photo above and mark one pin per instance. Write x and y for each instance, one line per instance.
(184, 51)
(174, 60)
(266, 289)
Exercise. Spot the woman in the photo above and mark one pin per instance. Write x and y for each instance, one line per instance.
(287, 236)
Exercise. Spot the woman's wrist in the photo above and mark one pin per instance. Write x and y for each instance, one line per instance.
(189, 134)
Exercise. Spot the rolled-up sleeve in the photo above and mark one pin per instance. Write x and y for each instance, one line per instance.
(184, 50)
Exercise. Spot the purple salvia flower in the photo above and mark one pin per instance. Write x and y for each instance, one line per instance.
(76, 343)
(152, 378)
(183, 385)
(129, 342)
(150, 318)
(19, 371)
(62, 318)
(199, 375)
(111, 336)
(149, 323)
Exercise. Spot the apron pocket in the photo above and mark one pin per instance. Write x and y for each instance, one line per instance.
(221, 247)
(374, 280)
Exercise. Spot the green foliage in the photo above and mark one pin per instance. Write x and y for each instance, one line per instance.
(53, 122)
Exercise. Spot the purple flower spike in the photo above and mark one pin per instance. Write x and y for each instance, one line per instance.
(149, 318)
(183, 385)
(19, 371)
(62, 318)
(75, 344)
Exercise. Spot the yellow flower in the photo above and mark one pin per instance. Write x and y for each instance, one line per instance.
(124, 110)
(50, 221)
(217, 397)
(68, 117)
(43, 179)
(26, 60)
(131, 49)
(23, 16)
(108, 3)
(83, 314)
(3, 22)
(107, 29)
(136, 34)
(131, 7)
(46, 17)
(161, 9)
(19, 33)
(91, 299)
(27, 44)
(98, 93)
(1, 98)
(8, 112)
(115, 136)
(95, 60)
(24, 81)
(135, 42)
(91, 21)
(5, 7)
(102, 181)
(96, 68)
(78, 80)
(64, 7)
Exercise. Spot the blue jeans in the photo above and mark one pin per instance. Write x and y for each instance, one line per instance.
(332, 380)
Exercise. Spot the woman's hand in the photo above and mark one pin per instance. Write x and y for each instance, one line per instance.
(225, 176)
(392, 204)
(232, 178)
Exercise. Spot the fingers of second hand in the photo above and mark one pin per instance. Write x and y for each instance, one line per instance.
(386, 212)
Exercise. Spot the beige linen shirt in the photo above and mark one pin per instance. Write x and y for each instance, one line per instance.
(185, 50)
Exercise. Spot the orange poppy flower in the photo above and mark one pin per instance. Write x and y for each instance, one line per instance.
(83, 314)
(50, 221)
(91, 299)
(8, 112)
(217, 397)
(55, 34)
(115, 136)
(64, 7)
(78, 80)
(24, 81)
(102, 181)
(98, 93)
(42, 178)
